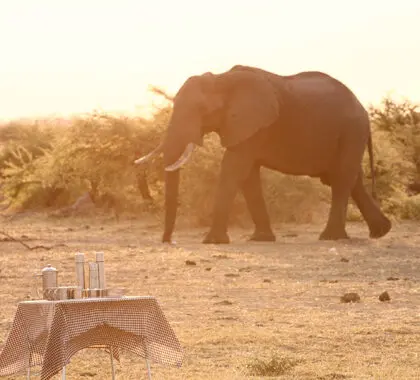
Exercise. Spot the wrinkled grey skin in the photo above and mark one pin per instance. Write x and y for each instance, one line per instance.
(304, 124)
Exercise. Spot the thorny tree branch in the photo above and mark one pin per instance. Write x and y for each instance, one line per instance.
(11, 238)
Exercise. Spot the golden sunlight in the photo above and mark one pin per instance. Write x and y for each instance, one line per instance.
(75, 56)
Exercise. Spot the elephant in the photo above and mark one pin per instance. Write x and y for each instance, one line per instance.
(308, 123)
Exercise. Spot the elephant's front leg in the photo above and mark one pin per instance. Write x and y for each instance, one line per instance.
(253, 195)
(235, 169)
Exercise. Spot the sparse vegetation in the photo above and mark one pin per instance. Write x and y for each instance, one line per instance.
(274, 366)
(46, 165)
(396, 139)
(272, 309)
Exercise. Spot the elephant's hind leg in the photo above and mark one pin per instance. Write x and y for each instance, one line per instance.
(342, 180)
(379, 224)
(253, 195)
(335, 228)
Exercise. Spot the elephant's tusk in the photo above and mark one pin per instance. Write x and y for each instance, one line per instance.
(149, 156)
(183, 159)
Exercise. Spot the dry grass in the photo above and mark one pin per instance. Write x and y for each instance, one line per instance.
(277, 305)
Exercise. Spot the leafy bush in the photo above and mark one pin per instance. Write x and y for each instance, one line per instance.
(396, 142)
(33, 137)
(93, 154)
(23, 144)
(46, 164)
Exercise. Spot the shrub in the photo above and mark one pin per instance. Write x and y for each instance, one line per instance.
(410, 208)
(396, 142)
(24, 144)
(46, 164)
(93, 154)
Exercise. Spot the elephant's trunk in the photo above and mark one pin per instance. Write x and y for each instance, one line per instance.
(171, 155)
(177, 149)
(171, 203)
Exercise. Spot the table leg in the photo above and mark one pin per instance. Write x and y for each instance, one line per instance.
(63, 373)
(112, 363)
(149, 374)
(28, 373)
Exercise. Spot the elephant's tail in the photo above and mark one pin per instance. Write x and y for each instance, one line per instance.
(372, 167)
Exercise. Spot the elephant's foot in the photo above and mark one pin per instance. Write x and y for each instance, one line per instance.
(166, 238)
(380, 229)
(214, 237)
(262, 236)
(333, 234)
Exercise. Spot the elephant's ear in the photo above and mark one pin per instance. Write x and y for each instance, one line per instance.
(251, 104)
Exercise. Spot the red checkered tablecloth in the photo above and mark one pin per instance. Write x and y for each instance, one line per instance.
(49, 333)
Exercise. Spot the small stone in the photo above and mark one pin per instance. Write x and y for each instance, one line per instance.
(190, 262)
(225, 302)
(267, 280)
(88, 374)
(344, 260)
(208, 269)
(350, 297)
(231, 275)
(220, 256)
(384, 297)
(392, 278)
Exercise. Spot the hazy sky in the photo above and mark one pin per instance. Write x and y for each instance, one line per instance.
(64, 56)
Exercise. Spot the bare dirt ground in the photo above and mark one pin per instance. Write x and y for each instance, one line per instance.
(274, 302)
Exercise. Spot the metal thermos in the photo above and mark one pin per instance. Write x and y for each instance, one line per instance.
(49, 277)
(93, 276)
(101, 269)
(80, 269)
